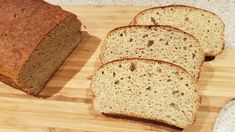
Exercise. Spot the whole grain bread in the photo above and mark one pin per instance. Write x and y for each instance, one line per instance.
(36, 37)
(154, 42)
(206, 26)
(148, 89)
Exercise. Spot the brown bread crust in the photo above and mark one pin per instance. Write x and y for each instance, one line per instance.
(24, 24)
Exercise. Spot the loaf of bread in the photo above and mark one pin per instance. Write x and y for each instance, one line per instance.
(148, 89)
(207, 27)
(154, 42)
(36, 37)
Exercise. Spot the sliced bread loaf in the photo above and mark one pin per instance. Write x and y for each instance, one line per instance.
(154, 42)
(148, 89)
(207, 27)
(35, 38)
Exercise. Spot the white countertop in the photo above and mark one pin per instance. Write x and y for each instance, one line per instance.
(223, 8)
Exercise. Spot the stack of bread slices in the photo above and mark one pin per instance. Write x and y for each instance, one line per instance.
(150, 68)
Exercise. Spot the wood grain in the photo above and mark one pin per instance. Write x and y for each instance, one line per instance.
(65, 103)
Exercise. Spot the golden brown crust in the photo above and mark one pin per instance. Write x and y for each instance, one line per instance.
(184, 6)
(22, 34)
(165, 27)
(154, 61)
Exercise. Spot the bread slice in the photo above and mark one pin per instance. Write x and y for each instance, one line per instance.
(148, 89)
(207, 27)
(154, 42)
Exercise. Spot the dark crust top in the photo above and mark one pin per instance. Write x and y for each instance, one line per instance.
(23, 25)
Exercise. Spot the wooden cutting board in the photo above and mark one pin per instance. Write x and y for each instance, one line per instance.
(66, 103)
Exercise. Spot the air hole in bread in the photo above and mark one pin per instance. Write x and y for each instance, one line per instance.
(159, 70)
(161, 39)
(202, 14)
(120, 66)
(148, 88)
(121, 78)
(146, 35)
(182, 94)
(193, 55)
(208, 21)
(208, 31)
(176, 73)
(121, 34)
(175, 92)
(215, 24)
(5, 34)
(130, 40)
(172, 104)
(186, 85)
(168, 116)
(153, 21)
(150, 43)
(169, 80)
(155, 92)
(114, 74)
(116, 82)
(102, 72)
(186, 18)
(181, 78)
(166, 43)
(185, 39)
(22, 10)
(133, 67)
(185, 48)
(14, 15)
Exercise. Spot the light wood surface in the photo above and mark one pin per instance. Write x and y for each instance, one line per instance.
(66, 101)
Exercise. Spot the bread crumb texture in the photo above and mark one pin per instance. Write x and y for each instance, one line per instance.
(147, 89)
